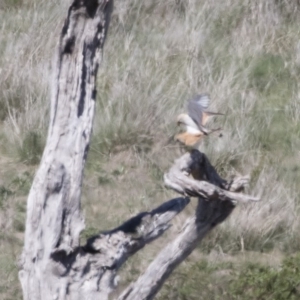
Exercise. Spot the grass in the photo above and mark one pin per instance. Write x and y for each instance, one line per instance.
(157, 55)
(229, 280)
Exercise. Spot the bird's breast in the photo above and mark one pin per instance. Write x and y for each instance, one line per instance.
(192, 130)
(188, 139)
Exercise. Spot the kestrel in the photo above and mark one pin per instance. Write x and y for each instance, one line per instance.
(195, 120)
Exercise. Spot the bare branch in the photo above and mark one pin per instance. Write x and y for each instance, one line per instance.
(209, 214)
(197, 165)
(141, 229)
(96, 264)
(214, 206)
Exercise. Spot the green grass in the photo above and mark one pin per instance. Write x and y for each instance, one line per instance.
(232, 281)
(32, 147)
(157, 55)
(261, 282)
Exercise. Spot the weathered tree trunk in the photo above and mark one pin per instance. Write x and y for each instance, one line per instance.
(54, 220)
(53, 264)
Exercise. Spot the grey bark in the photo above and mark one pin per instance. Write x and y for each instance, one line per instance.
(54, 219)
(216, 200)
(53, 264)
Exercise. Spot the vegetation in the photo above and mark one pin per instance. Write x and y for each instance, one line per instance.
(158, 54)
(226, 280)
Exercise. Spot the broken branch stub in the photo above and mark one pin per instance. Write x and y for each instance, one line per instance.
(91, 270)
(143, 228)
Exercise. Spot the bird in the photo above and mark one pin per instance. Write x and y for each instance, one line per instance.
(194, 121)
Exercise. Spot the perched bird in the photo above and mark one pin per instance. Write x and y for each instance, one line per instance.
(194, 121)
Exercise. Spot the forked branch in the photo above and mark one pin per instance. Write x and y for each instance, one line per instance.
(104, 254)
(215, 203)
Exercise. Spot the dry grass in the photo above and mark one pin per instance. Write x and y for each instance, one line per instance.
(158, 54)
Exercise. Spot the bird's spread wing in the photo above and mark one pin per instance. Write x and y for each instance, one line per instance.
(196, 108)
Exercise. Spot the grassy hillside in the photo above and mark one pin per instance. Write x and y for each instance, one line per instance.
(158, 54)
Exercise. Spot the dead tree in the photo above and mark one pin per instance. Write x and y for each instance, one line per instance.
(53, 264)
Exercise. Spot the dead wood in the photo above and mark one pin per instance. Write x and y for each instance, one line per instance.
(53, 264)
(208, 183)
(216, 200)
(54, 219)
